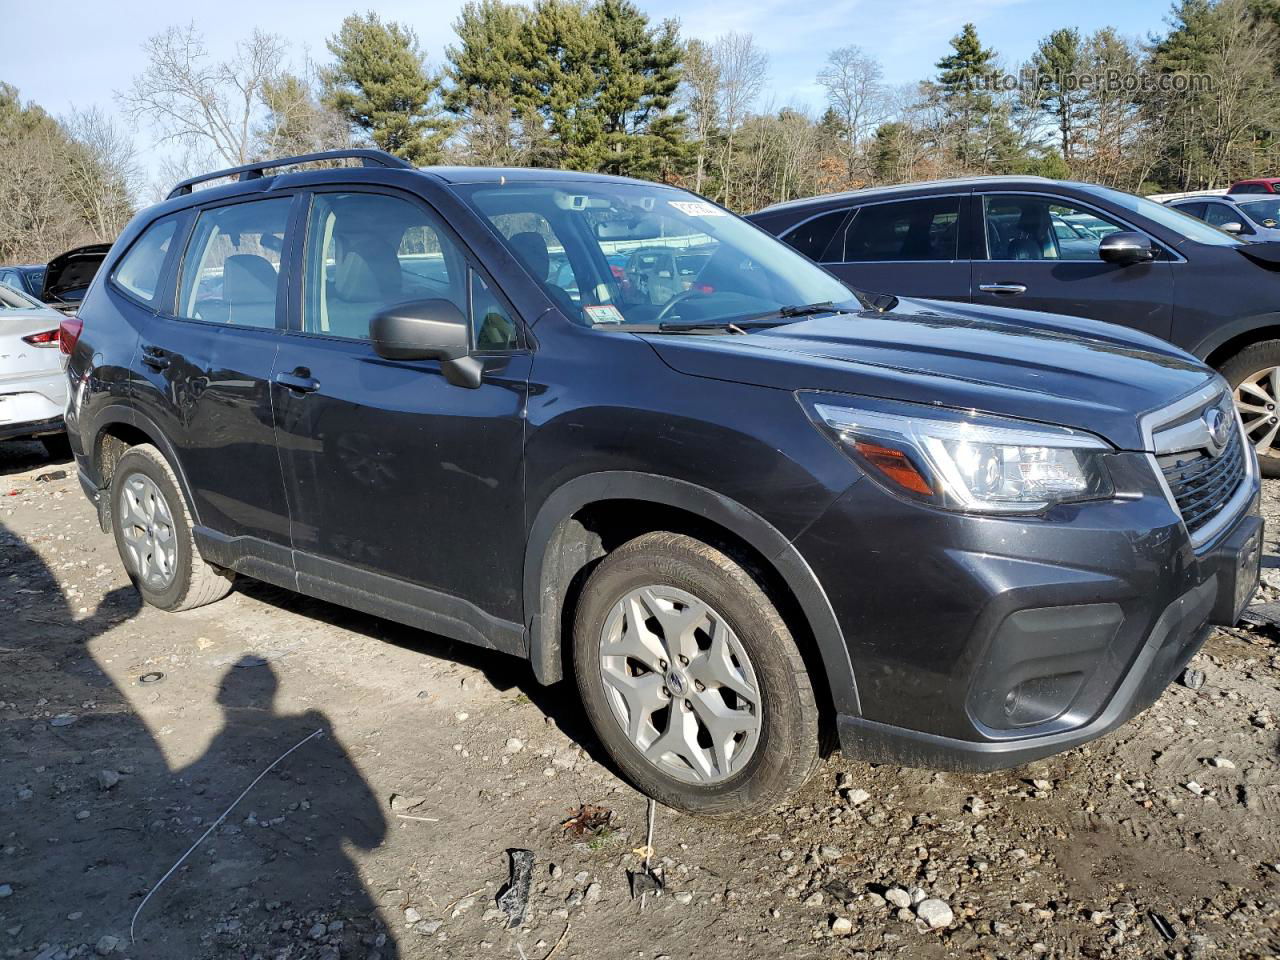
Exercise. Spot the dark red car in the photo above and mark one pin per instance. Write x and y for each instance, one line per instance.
(1258, 185)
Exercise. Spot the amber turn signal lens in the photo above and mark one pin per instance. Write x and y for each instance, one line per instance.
(895, 465)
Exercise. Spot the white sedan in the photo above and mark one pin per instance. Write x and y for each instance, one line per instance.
(33, 388)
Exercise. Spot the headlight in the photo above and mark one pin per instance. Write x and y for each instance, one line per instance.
(964, 460)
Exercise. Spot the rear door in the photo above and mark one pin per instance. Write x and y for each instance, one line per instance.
(915, 248)
(206, 358)
(406, 491)
(1042, 254)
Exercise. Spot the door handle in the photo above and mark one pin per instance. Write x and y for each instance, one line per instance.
(300, 381)
(154, 358)
(1005, 289)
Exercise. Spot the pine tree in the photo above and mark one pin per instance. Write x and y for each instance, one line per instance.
(380, 83)
(963, 82)
(1059, 61)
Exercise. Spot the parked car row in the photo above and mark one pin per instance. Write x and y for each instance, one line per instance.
(608, 426)
(62, 282)
(33, 299)
(1073, 249)
(33, 388)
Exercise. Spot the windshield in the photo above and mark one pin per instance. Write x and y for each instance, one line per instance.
(1265, 211)
(11, 299)
(1169, 218)
(622, 253)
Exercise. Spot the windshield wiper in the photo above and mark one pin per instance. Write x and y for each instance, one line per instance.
(732, 326)
(808, 309)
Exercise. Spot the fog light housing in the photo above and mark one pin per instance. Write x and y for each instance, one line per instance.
(1038, 662)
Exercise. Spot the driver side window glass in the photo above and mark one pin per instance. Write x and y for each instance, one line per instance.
(1219, 214)
(1038, 228)
(366, 252)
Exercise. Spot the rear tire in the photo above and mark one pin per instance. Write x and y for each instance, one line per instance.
(757, 690)
(152, 528)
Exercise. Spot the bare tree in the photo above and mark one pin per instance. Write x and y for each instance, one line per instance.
(856, 95)
(297, 121)
(101, 171)
(701, 82)
(743, 68)
(191, 99)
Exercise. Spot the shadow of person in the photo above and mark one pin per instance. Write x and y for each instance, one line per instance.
(277, 866)
(63, 721)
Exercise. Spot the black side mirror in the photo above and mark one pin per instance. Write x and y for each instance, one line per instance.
(1125, 247)
(428, 330)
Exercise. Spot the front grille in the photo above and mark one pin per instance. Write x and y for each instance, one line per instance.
(1201, 481)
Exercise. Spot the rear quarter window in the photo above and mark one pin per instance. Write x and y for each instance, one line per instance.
(139, 271)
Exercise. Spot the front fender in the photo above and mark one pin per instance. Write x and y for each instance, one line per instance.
(544, 567)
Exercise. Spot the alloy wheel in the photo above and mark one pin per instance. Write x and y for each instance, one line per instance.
(1258, 400)
(146, 524)
(680, 684)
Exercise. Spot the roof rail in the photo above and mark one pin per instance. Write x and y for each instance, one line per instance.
(253, 171)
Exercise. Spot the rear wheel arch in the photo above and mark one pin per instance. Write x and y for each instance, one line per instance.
(581, 521)
(116, 430)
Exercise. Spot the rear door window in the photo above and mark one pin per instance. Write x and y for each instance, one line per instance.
(814, 237)
(926, 229)
(231, 270)
(140, 269)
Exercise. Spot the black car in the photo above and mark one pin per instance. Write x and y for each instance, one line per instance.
(740, 507)
(61, 282)
(68, 275)
(1069, 248)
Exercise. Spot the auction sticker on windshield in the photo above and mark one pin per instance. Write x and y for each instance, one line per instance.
(603, 313)
(697, 208)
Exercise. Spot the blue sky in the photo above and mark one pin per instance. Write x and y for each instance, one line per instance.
(78, 53)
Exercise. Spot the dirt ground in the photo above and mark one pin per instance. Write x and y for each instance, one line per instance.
(126, 732)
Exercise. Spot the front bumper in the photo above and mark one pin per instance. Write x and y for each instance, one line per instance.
(982, 643)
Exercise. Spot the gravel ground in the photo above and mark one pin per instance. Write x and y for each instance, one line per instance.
(126, 732)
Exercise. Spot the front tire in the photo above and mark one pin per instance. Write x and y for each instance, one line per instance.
(1254, 376)
(692, 680)
(152, 528)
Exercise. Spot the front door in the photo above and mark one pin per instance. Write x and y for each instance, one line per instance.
(1042, 254)
(208, 358)
(406, 492)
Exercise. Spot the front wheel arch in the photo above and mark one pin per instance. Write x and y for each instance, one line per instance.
(560, 550)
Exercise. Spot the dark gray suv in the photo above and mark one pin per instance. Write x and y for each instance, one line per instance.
(1069, 248)
(608, 427)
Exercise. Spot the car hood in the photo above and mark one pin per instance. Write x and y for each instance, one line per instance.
(72, 271)
(1035, 366)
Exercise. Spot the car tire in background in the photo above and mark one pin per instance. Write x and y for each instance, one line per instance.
(152, 529)
(691, 678)
(1254, 377)
(57, 446)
